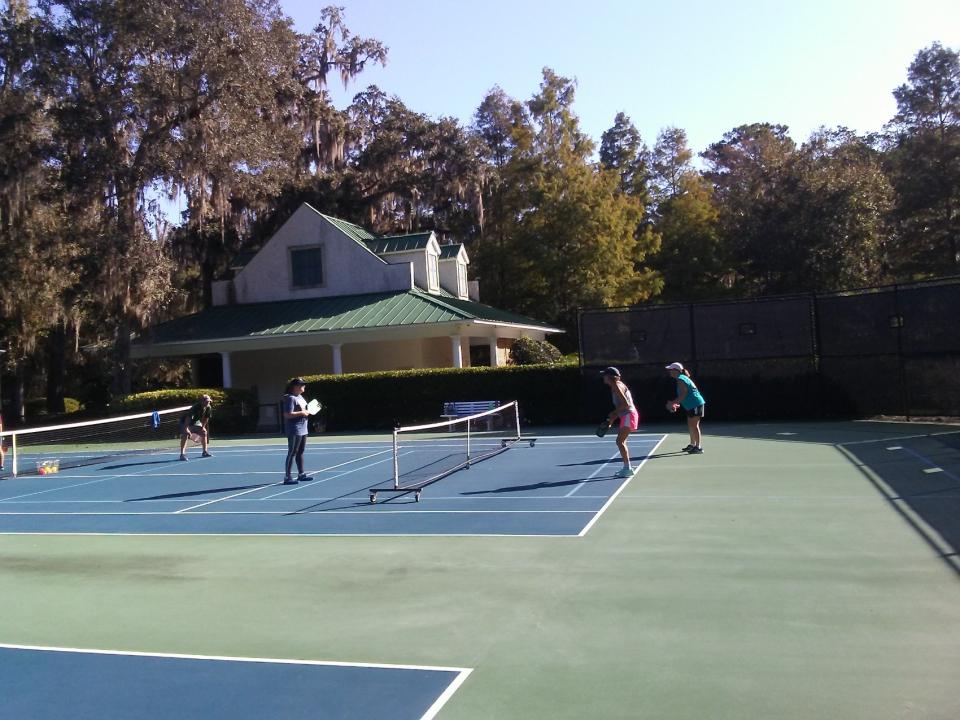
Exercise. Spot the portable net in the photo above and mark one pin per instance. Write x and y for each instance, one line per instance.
(48, 449)
(423, 454)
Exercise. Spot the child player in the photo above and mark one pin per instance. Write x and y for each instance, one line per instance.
(626, 411)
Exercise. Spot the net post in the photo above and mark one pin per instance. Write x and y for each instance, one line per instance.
(468, 440)
(14, 463)
(516, 413)
(396, 472)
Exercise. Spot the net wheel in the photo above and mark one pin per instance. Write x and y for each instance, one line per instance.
(417, 496)
(373, 497)
(532, 443)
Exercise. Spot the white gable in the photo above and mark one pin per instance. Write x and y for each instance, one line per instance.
(348, 266)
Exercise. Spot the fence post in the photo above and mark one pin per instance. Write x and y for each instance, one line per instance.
(904, 399)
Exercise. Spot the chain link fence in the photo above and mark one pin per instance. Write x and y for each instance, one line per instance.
(891, 350)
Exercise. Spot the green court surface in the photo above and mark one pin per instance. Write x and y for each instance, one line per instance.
(801, 571)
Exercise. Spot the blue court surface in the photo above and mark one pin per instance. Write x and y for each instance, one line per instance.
(54, 683)
(558, 486)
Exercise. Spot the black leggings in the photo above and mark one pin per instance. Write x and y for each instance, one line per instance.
(296, 444)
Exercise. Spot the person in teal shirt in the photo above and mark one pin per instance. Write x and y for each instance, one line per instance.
(194, 422)
(690, 399)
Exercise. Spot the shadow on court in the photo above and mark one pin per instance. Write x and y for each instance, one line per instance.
(136, 464)
(914, 466)
(196, 493)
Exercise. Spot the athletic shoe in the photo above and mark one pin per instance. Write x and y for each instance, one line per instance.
(625, 472)
(695, 450)
(303, 477)
(206, 454)
(688, 448)
(290, 481)
(183, 457)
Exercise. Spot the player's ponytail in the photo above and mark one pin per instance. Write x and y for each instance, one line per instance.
(686, 372)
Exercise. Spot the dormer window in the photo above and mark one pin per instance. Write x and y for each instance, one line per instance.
(433, 273)
(461, 279)
(306, 267)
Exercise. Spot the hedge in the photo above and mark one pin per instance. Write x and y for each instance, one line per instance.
(547, 394)
(234, 410)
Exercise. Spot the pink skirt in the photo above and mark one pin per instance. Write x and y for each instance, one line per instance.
(631, 420)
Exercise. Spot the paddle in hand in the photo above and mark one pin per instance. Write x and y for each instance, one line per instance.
(602, 430)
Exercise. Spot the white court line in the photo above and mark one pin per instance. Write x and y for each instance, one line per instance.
(595, 473)
(229, 497)
(67, 487)
(359, 493)
(936, 468)
(348, 472)
(620, 489)
(283, 661)
(307, 512)
(901, 437)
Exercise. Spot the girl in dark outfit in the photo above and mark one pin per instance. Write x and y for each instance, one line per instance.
(295, 423)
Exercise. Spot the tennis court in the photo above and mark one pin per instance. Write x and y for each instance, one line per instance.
(794, 570)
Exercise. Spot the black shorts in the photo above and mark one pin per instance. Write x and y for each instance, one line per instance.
(697, 411)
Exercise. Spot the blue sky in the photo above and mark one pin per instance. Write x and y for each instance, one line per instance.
(703, 66)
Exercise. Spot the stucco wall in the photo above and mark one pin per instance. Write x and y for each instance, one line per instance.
(349, 268)
(448, 277)
(418, 259)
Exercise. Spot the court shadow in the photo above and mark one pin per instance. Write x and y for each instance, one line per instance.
(151, 462)
(196, 493)
(542, 485)
(921, 474)
(637, 458)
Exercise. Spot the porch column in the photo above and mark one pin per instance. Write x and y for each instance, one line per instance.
(457, 356)
(194, 372)
(494, 360)
(337, 360)
(227, 380)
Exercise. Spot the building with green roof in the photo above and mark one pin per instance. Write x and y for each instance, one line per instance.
(324, 296)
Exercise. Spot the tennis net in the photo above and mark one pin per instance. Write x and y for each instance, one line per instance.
(423, 454)
(48, 449)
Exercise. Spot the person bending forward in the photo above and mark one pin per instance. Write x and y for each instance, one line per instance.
(626, 411)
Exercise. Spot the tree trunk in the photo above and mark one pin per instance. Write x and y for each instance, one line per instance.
(56, 353)
(122, 369)
(16, 399)
(206, 279)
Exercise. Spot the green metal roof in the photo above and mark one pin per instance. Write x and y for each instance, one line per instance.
(354, 232)
(400, 243)
(450, 251)
(345, 312)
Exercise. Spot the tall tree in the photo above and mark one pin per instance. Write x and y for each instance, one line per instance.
(924, 164)
(750, 171)
(692, 259)
(138, 85)
(622, 149)
(578, 233)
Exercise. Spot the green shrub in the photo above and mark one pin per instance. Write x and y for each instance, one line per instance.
(38, 406)
(525, 351)
(547, 394)
(234, 410)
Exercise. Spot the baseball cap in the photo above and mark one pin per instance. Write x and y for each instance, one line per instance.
(298, 381)
(674, 366)
(206, 398)
(610, 371)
